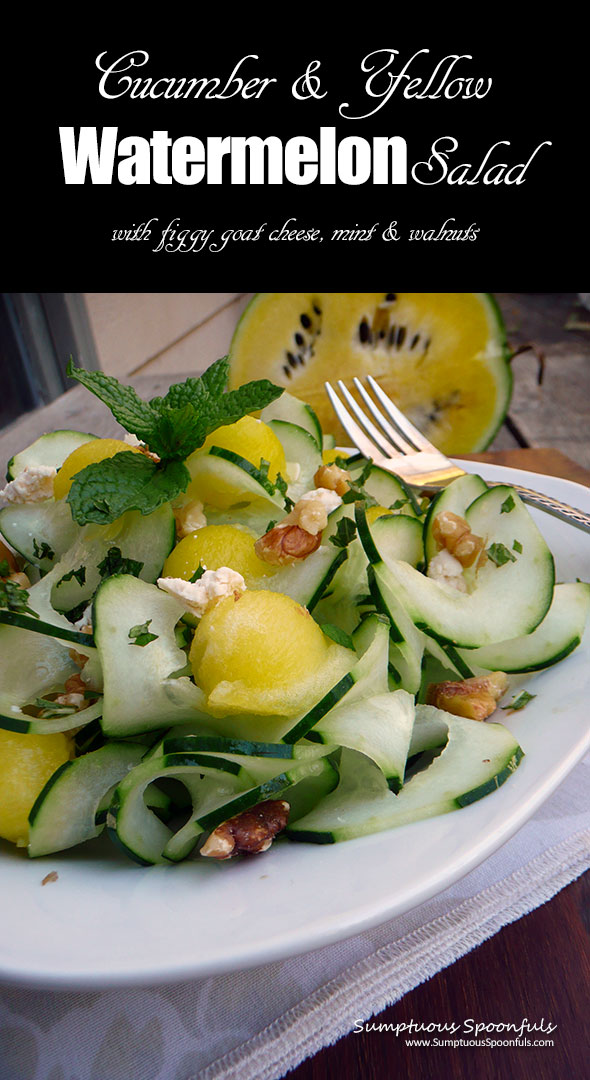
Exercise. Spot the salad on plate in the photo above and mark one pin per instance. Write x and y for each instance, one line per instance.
(220, 630)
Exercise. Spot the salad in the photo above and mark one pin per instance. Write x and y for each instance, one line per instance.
(219, 630)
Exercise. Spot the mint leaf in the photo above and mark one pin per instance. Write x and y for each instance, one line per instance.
(4, 568)
(337, 635)
(115, 563)
(345, 533)
(397, 505)
(197, 574)
(517, 546)
(500, 554)
(519, 701)
(507, 505)
(141, 635)
(106, 489)
(79, 575)
(125, 404)
(270, 526)
(42, 551)
(14, 598)
(197, 391)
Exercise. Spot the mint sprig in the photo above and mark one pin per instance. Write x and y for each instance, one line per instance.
(173, 427)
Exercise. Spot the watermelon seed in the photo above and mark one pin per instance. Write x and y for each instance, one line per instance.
(299, 339)
(305, 321)
(392, 335)
(400, 337)
(317, 310)
(414, 340)
(287, 370)
(364, 332)
(426, 344)
(390, 297)
(291, 359)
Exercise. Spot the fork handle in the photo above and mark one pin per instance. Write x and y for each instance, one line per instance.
(558, 509)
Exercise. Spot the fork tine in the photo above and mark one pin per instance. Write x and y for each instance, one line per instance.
(383, 444)
(398, 440)
(356, 435)
(401, 421)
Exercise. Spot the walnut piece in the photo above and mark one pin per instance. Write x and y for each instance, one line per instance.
(474, 698)
(248, 833)
(453, 533)
(286, 544)
(333, 478)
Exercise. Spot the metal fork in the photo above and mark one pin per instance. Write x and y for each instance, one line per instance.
(397, 446)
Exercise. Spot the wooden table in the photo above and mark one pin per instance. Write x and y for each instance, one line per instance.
(539, 966)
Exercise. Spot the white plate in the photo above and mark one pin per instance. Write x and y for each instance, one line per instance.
(106, 921)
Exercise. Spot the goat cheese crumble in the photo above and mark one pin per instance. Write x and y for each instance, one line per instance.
(196, 596)
(33, 484)
(312, 509)
(447, 570)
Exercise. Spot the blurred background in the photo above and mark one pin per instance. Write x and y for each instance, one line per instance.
(140, 335)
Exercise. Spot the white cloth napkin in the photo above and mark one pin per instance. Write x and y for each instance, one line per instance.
(258, 1024)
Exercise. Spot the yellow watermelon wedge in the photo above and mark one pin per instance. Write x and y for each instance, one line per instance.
(442, 357)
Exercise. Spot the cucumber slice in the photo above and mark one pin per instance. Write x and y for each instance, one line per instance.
(477, 759)
(289, 408)
(41, 532)
(430, 730)
(139, 694)
(306, 581)
(369, 675)
(64, 813)
(146, 539)
(303, 783)
(228, 470)
(137, 830)
(556, 636)
(51, 449)
(301, 449)
(456, 498)
(391, 537)
(389, 490)
(508, 600)
(379, 727)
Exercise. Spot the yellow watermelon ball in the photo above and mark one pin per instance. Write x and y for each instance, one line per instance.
(214, 546)
(263, 653)
(27, 763)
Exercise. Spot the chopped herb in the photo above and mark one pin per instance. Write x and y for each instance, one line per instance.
(397, 505)
(54, 708)
(365, 472)
(289, 504)
(500, 554)
(75, 614)
(4, 568)
(519, 701)
(264, 467)
(281, 484)
(79, 575)
(507, 505)
(172, 426)
(424, 504)
(141, 634)
(517, 546)
(14, 598)
(114, 563)
(341, 462)
(43, 551)
(337, 635)
(270, 526)
(197, 574)
(345, 533)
